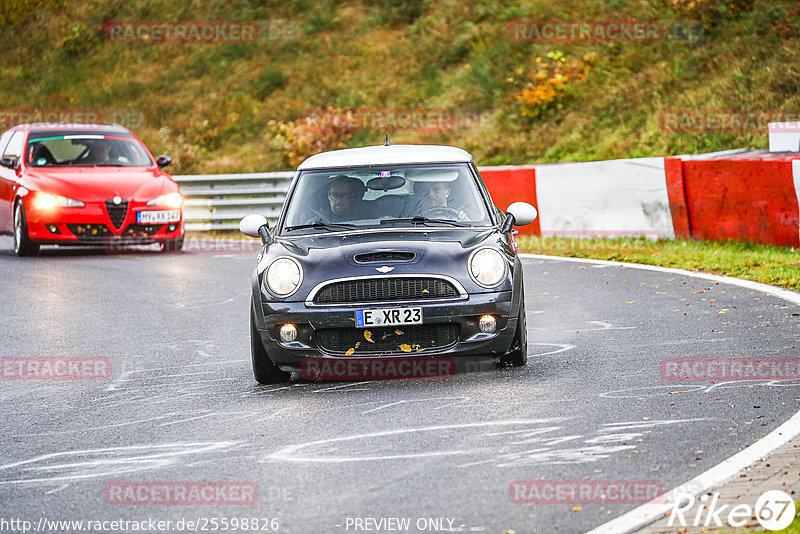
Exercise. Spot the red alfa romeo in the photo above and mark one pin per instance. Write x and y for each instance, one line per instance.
(85, 184)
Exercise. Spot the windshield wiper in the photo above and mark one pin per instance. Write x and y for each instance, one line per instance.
(423, 220)
(326, 226)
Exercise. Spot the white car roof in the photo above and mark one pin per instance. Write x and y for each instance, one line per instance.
(386, 155)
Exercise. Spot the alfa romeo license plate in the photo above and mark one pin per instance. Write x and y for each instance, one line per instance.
(388, 317)
(155, 217)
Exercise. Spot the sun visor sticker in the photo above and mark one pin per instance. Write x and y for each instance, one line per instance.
(432, 175)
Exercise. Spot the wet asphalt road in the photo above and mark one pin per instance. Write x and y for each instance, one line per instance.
(181, 403)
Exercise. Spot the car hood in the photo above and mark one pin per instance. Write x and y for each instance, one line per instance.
(330, 256)
(95, 184)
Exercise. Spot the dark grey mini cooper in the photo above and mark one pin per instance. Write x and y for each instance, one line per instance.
(383, 254)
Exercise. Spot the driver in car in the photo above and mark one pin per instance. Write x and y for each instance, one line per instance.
(99, 153)
(345, 201)
(434, 195)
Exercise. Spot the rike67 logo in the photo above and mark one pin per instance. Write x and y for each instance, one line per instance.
(774, 510)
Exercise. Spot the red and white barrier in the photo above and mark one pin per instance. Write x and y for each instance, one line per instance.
(784, 136)
(796, 176)
(513, 184)
(752, 200)
(604, 199)
(746, 196)
(592, 199)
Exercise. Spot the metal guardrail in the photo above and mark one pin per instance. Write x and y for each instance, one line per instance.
(219, 201)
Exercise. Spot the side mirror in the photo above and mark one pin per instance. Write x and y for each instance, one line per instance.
(255, 225)
(163, 161)
(518, 214)
(11, 163)
(523, 213)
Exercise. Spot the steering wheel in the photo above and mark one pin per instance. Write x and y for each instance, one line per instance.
(441, 212)
(316, 216)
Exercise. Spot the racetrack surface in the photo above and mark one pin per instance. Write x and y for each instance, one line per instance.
(182, 405)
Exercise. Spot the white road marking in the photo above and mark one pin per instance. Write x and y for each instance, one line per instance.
(333, 388)
(562, 347)
(276, 414)
(293, 453)
(94, 463)
(638, 425)
(605, 325)
(189, 419)
(384, 406)
(105, 427)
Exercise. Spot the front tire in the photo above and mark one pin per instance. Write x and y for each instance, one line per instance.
(264, 371)
(518, 355)
(23, 245)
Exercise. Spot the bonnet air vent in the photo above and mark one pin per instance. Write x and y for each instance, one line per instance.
(382, 257)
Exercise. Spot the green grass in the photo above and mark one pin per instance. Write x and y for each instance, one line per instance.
(209, 105)
(778, 266)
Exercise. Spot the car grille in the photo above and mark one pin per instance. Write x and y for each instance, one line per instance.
(385, 289)
(117, 212)
(89, 230)
(387, 340)
(381, 257)
(142, 230)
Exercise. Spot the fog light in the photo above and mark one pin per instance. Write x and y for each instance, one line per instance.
(53, 229)
(487, 324)
(288, 333)
(172, 227)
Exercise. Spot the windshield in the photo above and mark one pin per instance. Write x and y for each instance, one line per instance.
(403, 195)
(86, 151)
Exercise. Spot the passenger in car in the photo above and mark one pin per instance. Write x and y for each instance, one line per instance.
(40, 155)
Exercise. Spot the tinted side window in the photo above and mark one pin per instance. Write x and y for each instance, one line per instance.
(4, 140)
(14, 148)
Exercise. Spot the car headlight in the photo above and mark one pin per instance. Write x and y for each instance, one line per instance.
(284, 276)
(487, 267)
(170, 200)
(46, 201)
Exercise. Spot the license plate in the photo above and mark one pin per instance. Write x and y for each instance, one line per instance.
(150, 217)
(388, 317)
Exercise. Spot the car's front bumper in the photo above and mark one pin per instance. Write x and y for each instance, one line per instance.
(92, 225)
(310, 320)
